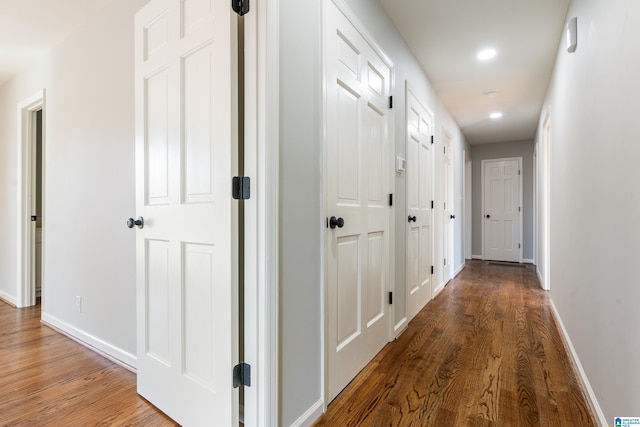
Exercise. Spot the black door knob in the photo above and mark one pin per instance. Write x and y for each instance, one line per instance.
(412, 218)
(34, 217)
(139, 222)
(336, 222)
(452, 216)
(488, 216)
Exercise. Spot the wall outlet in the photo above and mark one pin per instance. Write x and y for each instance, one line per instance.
(79, 303)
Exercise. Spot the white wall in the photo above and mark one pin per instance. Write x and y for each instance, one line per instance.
(89, 180)
(594, 100)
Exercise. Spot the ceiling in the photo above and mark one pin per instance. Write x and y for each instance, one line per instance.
(446, 36)
(29, 28)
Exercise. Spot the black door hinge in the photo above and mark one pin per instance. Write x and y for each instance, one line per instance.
(432, 204)
(390, 199)
(241, 7)
(241, 188)
(390, 297)
(432, 139)
(391, 102)
(242, 375)
(445, 262)
(432, 269)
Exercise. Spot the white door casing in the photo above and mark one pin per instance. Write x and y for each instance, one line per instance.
(186, 137)
(26, 239)
(448, 212)
(357, 184)
(501, 206)
(419, 174)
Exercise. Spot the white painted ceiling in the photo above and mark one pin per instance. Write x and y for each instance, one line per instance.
(446, 35)
(29, 28)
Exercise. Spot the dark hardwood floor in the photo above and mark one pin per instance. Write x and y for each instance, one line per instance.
(50, 380)
(485, 352)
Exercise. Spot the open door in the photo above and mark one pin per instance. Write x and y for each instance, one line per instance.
(186, 243)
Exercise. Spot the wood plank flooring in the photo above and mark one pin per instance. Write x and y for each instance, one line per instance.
(50, 380)
(485, 352)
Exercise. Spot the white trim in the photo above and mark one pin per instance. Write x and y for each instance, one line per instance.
(540, 278)
(459, 270)
(400, 327)
(520, 201)
(582, 374)
(105, 349)
(8, 299)
(25, 294)
(261, 213)
(477, 257)
(467, 205)
(528, 261)
(439, 289)
(310, 415)
(448, 226)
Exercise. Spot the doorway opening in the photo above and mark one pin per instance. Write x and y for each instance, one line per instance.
(31, 116)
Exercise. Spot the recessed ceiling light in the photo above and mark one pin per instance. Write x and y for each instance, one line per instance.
(491, 93)
(496, 115)
(483, 55)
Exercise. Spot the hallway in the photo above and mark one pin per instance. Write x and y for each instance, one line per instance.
(485, 352)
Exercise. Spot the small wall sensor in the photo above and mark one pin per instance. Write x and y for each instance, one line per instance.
(401, 164)
(572, 35)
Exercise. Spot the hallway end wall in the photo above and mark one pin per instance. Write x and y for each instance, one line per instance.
(501, 150)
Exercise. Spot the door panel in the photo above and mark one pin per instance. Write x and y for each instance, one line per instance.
(186, 262)
(357, 183)
(501, 204)
(419, 197)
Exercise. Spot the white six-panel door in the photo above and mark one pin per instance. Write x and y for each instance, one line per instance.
(419, 198)
(185, 142)
(501, 201)
(357, 184)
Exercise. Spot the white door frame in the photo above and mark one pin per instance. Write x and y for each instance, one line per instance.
(545, 248)
(26, 295)
(361, 28)
(467, 202)
(520, 214)
(261, 154)
(448, 199)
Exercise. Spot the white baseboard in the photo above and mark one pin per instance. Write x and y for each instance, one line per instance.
(528, 261)
(8, 299)
(400, 327)
(105, 349)
(437, 290)
(583, 375)
(476, 257)
(459, 270)
(311, 415)
(540, 279)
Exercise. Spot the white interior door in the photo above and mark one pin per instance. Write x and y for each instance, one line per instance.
(186, 252)
(419, 198)
(501, 206)
(448, 214)
(357, 184)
